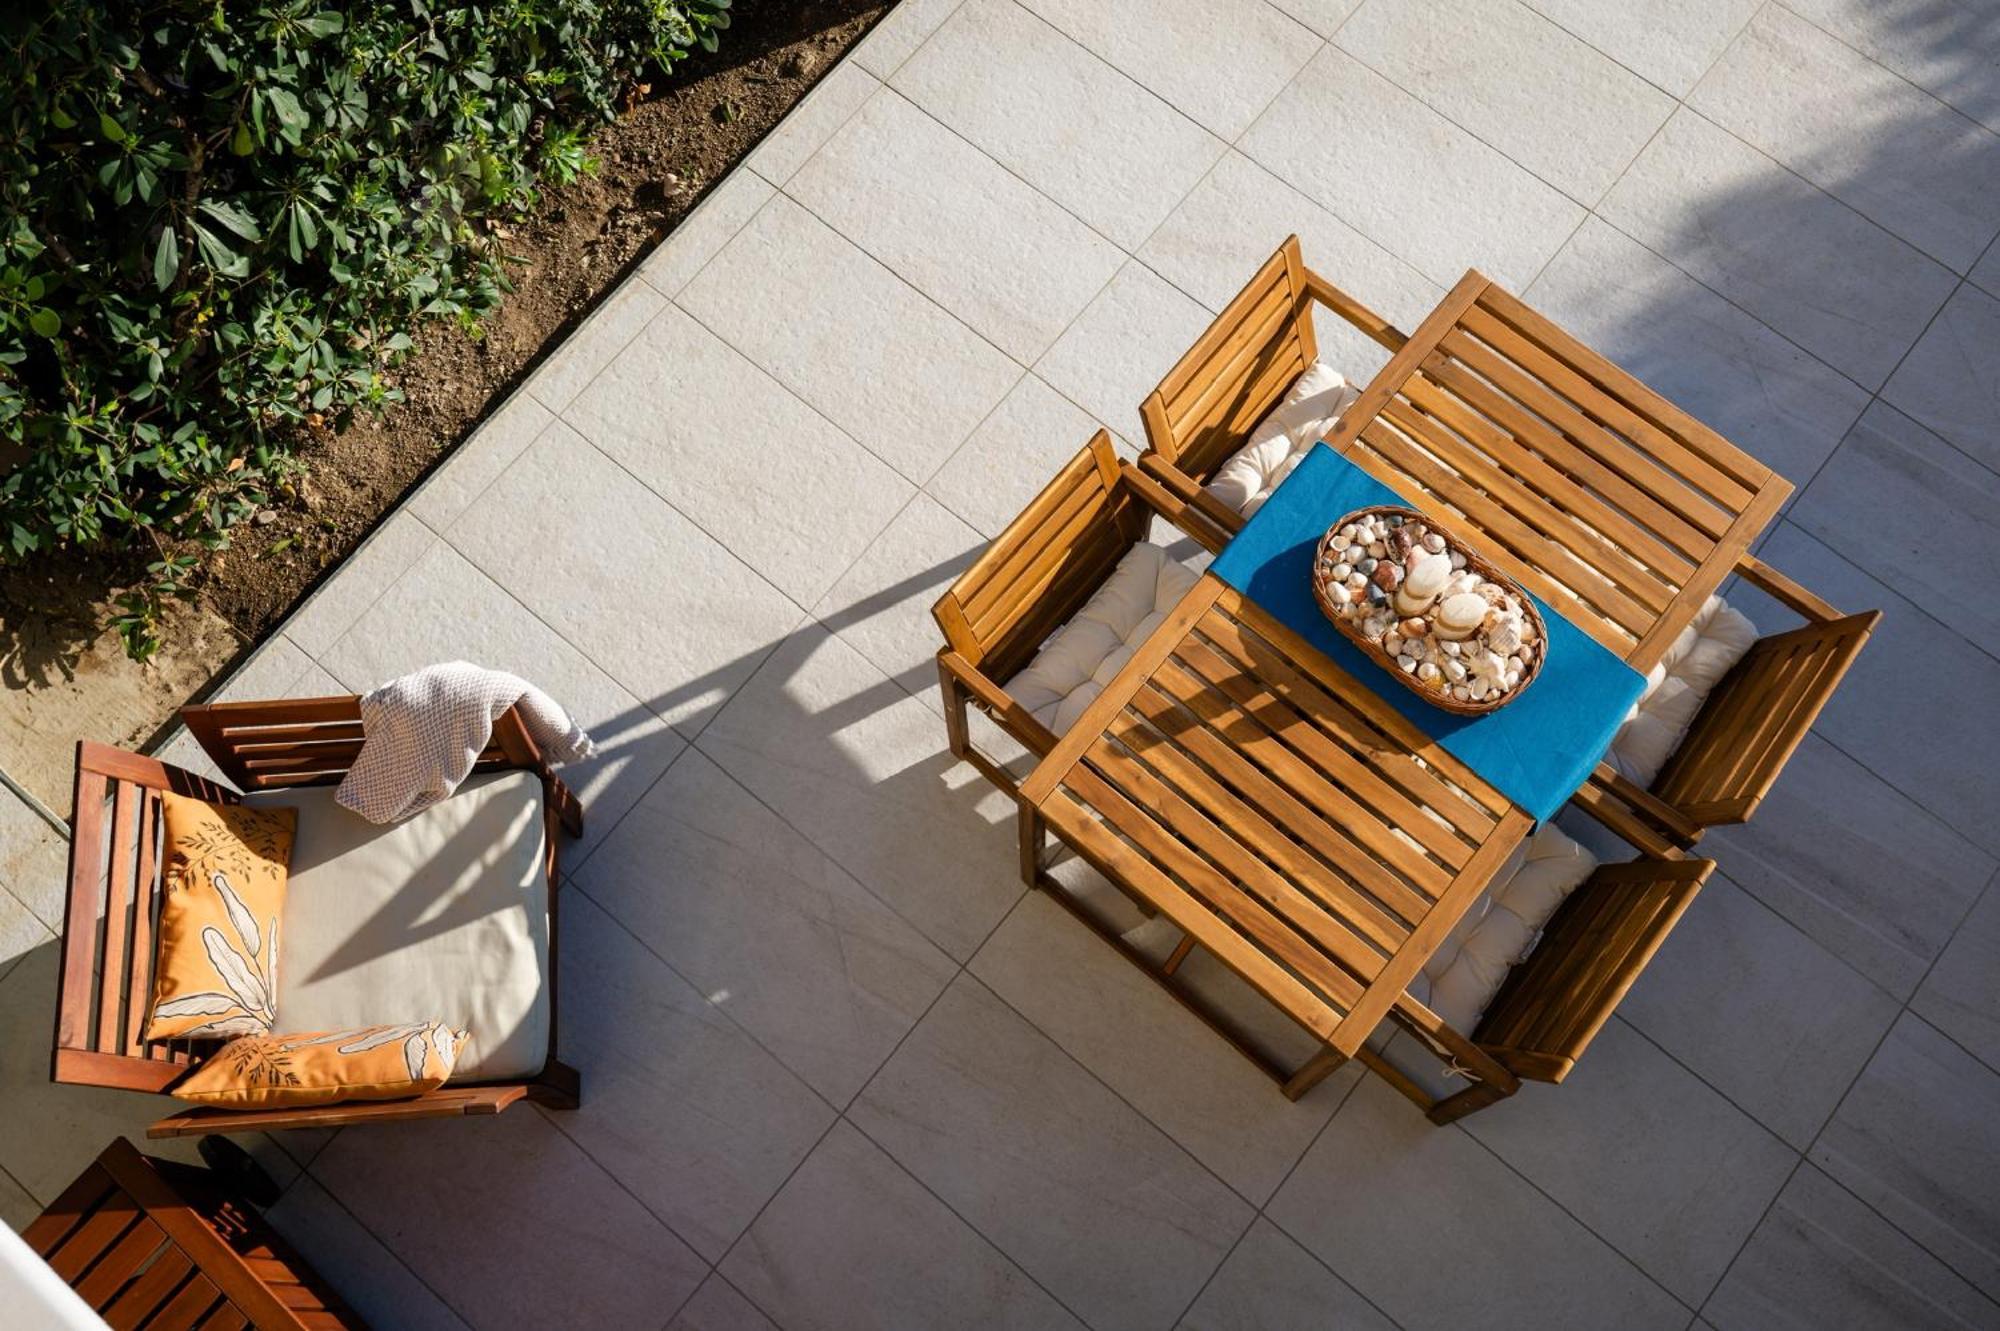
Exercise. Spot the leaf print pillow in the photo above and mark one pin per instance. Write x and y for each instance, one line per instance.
(215, 972)
(325, 1067)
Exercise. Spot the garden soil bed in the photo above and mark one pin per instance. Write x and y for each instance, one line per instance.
(66, 675)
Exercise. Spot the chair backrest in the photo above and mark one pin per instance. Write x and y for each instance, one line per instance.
(1040, 570)
(1237, 372)
(1752, 722)
(155, 1244)
(313, 741)
(1595, 946)
(105, 965)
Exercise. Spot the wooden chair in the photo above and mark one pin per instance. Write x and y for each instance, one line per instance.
(105, 966)
(1238, 372)
(1749, 727)
(156, 1245)
(1033, 577)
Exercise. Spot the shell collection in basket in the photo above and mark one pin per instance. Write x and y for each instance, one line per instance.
(1428, 609)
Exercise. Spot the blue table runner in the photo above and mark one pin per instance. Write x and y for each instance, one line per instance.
(1538, 749)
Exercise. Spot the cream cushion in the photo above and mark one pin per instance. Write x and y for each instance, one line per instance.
(1282, 438)
(1676, 688)
(443, 917)
(1082, 656)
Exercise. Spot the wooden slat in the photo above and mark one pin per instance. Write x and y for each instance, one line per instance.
(139, 975)
(121, 1264)
(134, 1308)
(80, 910)
(1390, 379)
(77, 1203)
(94, 1237)
(114, 975)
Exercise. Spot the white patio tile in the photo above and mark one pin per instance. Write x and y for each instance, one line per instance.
(1890, 464)
(510, 1222)
(1153, 1052)
(1901, 709)
(1122, 345)
(1951, 380)
(1343, 135)
(1235, 220)
(370, 571)
(716, 220)
(854, 1241)
(1016, 267)
(1822, 1258)
(446, 609)
(1058, 117)
(1865, 135)
(1961, 995)
(1947, 47)
(1758, 390)
(650, 598)
(1916, 1139)
(860, 767)
(578, 358)
(1654, 1161)
(1811, 268)
(899, 33)
(1856, 865)
(475, 464)
(1669, 42)
(777, 935)
(1092, 1200)
(1571, 115)
(681, 1107)
(882, 605)
(34, 860)
(1758, 1010)
(366, 1275)
(20, 931)
(1322, 16)
(17, 1209)
(844, 333)
(1172, 50)
(1014, 453)
(1434, 1230)
(775, 482)
(812, 122)
(716, 1306)
(1272, 1284)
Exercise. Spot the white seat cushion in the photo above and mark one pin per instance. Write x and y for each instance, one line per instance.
(1677, 687)
(1282, 438)
(1082, 656)
(440, 918)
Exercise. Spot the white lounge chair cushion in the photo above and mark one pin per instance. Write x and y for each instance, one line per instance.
(1282, 438)
(443, 917)
(1677, 687)
(1082, 656)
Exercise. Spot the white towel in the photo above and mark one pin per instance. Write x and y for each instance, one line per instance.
(421, 734)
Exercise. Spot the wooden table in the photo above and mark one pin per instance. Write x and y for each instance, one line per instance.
(1284, 817)
(1613, 505)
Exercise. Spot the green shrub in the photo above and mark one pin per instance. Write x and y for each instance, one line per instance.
(222, 218)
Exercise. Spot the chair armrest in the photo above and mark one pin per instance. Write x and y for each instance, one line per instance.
(1019, 722)
(1190, 492)
(1354, 312)
(1186, 515)
(1645, 821)
(445, 1102)
(1761, 575)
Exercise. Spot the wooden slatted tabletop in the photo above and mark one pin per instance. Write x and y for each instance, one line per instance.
(1277, 811)
(1613, 505)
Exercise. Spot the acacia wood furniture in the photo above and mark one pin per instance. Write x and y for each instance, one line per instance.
(1293, 825)
(1616, 507)
(1283, 817)
(1035, 575)
(105, 965)
(154, 1245)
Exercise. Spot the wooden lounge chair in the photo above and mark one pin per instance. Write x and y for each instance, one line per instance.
(159, 1245)
(1033, 577)
(273, 751)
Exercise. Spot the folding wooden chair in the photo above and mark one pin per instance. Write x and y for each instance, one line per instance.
(105, 967)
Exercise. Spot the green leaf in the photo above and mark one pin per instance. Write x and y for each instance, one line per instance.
(241, 143)
(233, 217)
(110, 128)
(61, 119)
(45, 322)
(166, 258)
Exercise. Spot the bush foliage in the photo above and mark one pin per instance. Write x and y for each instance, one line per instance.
(222, 218)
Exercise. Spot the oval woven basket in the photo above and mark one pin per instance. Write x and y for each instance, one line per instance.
(1433, 692)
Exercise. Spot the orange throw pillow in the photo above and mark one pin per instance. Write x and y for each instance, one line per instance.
(215, 972)
(325, 1067)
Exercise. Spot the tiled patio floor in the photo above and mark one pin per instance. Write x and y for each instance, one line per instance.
(839, 1070)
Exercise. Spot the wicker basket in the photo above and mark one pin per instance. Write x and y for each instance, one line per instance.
(1433, 692)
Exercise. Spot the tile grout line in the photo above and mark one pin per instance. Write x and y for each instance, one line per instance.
(305, 1171)
(1890, 70)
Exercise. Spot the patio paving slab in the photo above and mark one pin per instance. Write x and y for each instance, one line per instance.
(1270, 1283)
(676, 260)
(1110, 358)
(1670, 43)
(353, 1261)
(1950, 50)
(1011, 456)
(831, 103)
(571, 367)
(1571, 115)
(479, 461)
(716, 1306)
(1961, 995)
(1951, 379)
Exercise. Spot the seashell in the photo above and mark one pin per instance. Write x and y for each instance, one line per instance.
(1355, 554)
(1457, 559)
(1347, 532)
(1401, 541)
(1340, 571)
(1395, 519)
(1407, 663)
(1428, 574)
(1377, 595)
(1505, 636)
(1367, 565)
(1414, 627)
(1458, 616)
(1454, 669)
(1488, 670)
(1356, 580)
(1387, 575)
(1434, 543)
(1427, 671)
(1512, 679)
(1378, 550)
(1392, 642)
(1374, 626)
(1461, 692)
(1491, 592)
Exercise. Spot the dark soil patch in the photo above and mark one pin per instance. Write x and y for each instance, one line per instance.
(676, 140)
